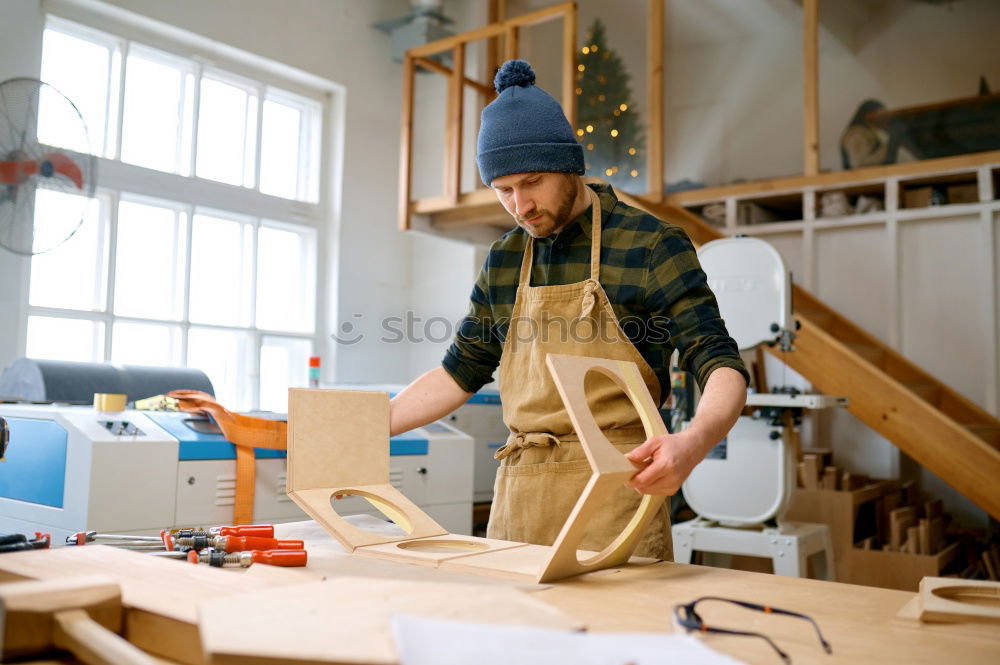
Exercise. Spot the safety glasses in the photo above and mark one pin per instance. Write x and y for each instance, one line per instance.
(690, 620)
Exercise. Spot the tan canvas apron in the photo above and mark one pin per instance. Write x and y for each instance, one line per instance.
(543, 466)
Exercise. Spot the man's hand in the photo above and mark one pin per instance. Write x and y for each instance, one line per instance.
(669, 459)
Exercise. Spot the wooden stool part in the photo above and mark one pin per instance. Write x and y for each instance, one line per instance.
(610, 467)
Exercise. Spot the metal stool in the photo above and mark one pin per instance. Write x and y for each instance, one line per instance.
(790, 546)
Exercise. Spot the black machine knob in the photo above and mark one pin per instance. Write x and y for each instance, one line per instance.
(774, 435)
(422, 470)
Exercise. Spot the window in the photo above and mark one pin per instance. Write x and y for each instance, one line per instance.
(200, 249)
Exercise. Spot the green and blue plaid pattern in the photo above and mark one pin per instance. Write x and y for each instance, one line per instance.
(650, 271)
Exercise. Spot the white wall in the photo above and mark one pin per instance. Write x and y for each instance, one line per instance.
(20, 55)
(334, 39)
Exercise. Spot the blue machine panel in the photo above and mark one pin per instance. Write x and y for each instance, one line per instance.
(198, 444)
(35, 470)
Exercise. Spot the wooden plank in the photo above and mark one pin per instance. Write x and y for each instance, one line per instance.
(810, 86)
(438, 204)
(492, 30)
(347, 620)
(29, 612)
(569, 67)
(654, 95)
(830, 474)
(495, 13)
(406, 144)
(913, 540)
(157, 594)
(924, 535)
(835, 178)
(512, 42)
(811, 478)
(433, 65)
(453, 127)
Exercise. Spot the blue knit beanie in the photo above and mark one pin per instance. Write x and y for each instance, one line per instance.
(524, 130)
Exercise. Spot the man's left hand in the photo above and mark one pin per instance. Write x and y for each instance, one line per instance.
(669, 460)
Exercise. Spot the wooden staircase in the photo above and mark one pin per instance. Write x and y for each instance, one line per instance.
(939, 428)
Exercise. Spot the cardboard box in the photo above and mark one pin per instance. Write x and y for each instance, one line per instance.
(963, 193)
(921, 197)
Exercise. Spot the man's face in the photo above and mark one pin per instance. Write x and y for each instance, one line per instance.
(541, 203)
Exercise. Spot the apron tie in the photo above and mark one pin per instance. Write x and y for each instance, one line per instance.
(587, 303)
(523, 440)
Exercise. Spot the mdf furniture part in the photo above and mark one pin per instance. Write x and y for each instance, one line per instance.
(338, 443)
(521, 564)
(160, 616)
(346, 620)
(82, 615)
(610, 467)
(955, 600)
(434, 550)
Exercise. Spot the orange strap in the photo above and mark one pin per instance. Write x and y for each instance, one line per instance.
(245, 433)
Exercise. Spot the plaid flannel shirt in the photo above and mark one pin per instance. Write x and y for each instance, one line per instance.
(652, 276)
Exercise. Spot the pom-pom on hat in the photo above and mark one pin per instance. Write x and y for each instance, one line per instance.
(524, 129)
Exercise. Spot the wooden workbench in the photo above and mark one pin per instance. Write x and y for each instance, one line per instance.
(859, 622)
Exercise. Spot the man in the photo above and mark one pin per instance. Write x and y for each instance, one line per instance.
(580, 270)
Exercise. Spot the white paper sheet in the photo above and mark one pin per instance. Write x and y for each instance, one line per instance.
(423, 641)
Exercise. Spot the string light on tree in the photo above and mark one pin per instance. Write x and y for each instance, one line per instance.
(606, 114)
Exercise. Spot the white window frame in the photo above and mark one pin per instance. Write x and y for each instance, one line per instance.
(323, 100)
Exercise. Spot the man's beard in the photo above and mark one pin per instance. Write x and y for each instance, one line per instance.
(562, 216)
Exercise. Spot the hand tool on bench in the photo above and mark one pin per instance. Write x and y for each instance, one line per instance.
(254, 530)
(230, 543)
(18, 542)
(221, 559)
(78, 614)
(124, 541)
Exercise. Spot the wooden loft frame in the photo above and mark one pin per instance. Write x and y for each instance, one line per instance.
(455, 212)
(481, 206)
(834, 178)
(454, 108)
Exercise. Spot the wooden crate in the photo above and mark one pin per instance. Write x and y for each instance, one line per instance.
(840, 510)
(896, 570)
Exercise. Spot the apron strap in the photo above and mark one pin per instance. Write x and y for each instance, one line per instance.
(588, 301)
(595, 233)
(525, 279)
(518, 441)
(595, 254)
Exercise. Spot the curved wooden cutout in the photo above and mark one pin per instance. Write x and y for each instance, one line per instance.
(610, 467)
(436, 550)
(951, 600)
(338, 443)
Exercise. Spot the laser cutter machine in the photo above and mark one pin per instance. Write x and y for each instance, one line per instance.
(72, 468)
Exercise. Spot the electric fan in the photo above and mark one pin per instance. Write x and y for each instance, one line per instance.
(46, 160)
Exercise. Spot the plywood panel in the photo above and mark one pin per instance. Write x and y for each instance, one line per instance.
(337, 438)
(346, 620)
(943, 287)
(852, 275)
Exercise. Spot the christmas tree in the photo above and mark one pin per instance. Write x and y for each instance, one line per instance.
(607, 122)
